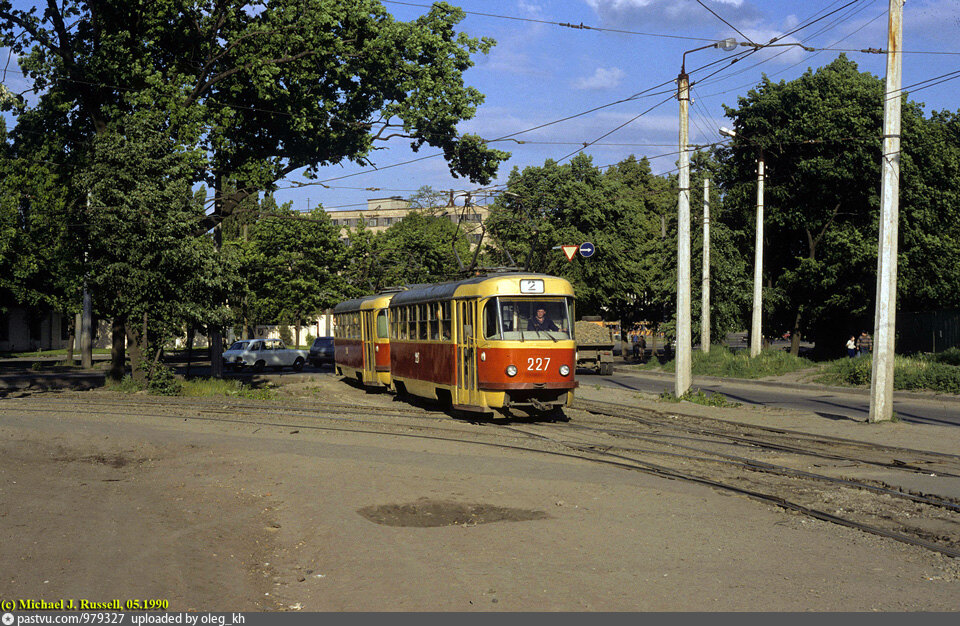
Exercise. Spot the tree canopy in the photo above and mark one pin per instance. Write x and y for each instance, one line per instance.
(820, 139)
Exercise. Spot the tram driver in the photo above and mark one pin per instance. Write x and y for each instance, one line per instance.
(541, 321)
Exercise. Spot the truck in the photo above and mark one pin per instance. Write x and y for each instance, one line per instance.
(595, 345)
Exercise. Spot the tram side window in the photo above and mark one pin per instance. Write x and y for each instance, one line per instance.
(445, 321)
(382, 324)
(404, 316)
(423, 322)
(434, 311)
(490, 330)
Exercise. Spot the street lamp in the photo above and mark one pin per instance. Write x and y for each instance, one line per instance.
(755, 335)
(684, 334)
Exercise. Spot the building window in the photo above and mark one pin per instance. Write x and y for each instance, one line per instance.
(372, 221)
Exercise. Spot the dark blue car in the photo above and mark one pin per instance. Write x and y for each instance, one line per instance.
(321, 351)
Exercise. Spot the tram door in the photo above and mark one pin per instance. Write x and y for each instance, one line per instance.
(369, 358)
(466, 353)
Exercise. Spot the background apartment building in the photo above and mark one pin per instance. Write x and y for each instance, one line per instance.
(382, 213)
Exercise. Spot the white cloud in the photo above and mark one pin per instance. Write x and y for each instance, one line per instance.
(602, 78)
(672, 14)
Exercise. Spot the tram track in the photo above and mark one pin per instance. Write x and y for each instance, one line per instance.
(703, 457)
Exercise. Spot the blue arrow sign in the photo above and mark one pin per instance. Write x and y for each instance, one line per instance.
(587, 249)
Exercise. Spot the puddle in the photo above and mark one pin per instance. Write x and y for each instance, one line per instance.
(433, 513)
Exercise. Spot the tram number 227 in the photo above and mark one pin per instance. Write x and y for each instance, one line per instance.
(538, 364)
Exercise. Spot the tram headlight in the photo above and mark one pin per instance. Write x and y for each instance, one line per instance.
(511, 370)
(564, 370)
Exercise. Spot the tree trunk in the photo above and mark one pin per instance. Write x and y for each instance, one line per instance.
(795, 336)
(137, 370)
(216, 340)
(118, 349)
(71, 337)
(191, 331)
(296, 341)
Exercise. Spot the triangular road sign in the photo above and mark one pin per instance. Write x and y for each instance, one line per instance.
(570, 251)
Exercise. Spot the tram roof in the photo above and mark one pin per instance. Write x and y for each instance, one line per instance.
(445, 291)
(356, 304)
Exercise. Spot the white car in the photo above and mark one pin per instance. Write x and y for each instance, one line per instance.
(259, 354)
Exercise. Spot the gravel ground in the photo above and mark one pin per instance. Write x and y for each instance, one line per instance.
(227, 507)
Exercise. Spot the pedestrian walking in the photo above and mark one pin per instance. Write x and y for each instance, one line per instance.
(635, 339)
(852, 347)
(643, 348)
(864, 344)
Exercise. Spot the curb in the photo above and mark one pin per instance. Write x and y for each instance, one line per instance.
(916, 395)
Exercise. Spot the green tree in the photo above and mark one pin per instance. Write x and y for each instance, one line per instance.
(820, 137)
(273, 87)
(420, 249)
(290, 267)
(267, 88)
(146, 268)
(40, 264)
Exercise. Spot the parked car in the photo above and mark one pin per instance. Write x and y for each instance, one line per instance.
(259, 354)
(232, 356)
(321, 351)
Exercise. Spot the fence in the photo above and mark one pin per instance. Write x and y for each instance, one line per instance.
(928, 331)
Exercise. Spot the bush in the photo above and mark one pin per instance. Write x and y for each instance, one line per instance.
(161, 381)
(951, 356)
(908, 373)
(126, 385)
(286, 335)
(310, 339)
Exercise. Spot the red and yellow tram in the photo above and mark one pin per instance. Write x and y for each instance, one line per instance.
(361, 339)
(495, 342)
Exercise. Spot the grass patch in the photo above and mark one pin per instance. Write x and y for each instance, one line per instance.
(931, 372)
(699, 397)
(39, 353)
(720, 361)
(207, 387)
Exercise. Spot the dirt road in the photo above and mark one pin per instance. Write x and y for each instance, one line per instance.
(224, 505)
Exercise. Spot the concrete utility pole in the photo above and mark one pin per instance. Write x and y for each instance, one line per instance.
(881, 382)
(86, 330)
(684, 343)
(684, 339)
(756, 336)
(705, 284)
(86, 318)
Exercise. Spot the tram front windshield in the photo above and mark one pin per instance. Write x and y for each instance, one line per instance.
(527, 319)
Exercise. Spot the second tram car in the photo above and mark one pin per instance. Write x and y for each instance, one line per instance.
(361, 339)
(495, 342)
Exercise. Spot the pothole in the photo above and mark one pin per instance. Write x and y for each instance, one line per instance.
(426, 513)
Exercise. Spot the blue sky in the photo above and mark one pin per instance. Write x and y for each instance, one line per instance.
(540, 72)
